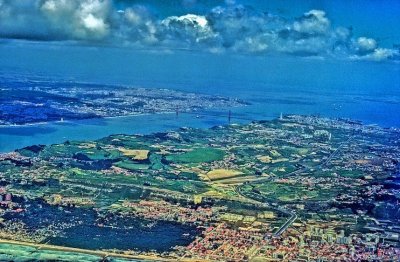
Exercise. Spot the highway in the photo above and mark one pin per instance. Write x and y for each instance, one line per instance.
(260, 199)
(282, 229)
(292, 215)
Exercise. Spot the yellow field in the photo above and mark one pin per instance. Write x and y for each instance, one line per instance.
(264, 159)
(222, 174)
(136, 154)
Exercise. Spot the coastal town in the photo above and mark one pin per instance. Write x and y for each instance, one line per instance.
(296, 188)
(28, 102)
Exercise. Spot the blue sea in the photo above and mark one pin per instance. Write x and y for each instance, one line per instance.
(365, 91)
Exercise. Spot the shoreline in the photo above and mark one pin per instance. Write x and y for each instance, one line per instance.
(80, 119)
(105, 117)
(73, 127)
(8, 130)
(42, 123)
(99, 253)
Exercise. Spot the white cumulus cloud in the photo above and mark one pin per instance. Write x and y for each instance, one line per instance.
(188, 28)
(377, 55)
(312, 22)
(366, 45)
(86, 20)
(227, 28)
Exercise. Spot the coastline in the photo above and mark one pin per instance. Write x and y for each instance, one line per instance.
(14, 137)
(105, 117)
(80, 119)
(100, 253)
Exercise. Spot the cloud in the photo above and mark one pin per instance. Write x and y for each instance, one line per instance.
(55, 19)
(237, 25)
(85, 20)
(378, 54)
(187, 29)
(226, 28)
(21, 20)
(135, 25)
(313, 22)
(366, 45)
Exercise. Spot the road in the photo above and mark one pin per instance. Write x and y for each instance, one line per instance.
(292, 214)
(260, 199)
(282, 229)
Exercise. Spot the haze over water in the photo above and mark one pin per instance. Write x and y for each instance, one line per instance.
(366, 91)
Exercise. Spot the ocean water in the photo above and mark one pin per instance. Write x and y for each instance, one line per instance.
(365, 91)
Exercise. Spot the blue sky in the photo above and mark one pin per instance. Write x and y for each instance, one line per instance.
(342, 29)
(375, 18)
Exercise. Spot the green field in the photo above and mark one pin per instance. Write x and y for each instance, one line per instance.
(197, 155)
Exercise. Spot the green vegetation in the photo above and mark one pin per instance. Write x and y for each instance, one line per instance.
(131, 165)
(239, 170)
(197, 155)
(351, 173)
(291, 192)
(94, 154)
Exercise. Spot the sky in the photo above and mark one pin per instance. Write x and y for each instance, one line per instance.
(339, 50)
(364, 30)
(210, 46)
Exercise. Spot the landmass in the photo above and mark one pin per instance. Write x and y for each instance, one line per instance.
(26, 102)
(298, 188)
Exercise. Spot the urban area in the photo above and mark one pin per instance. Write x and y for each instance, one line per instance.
(296, 188)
